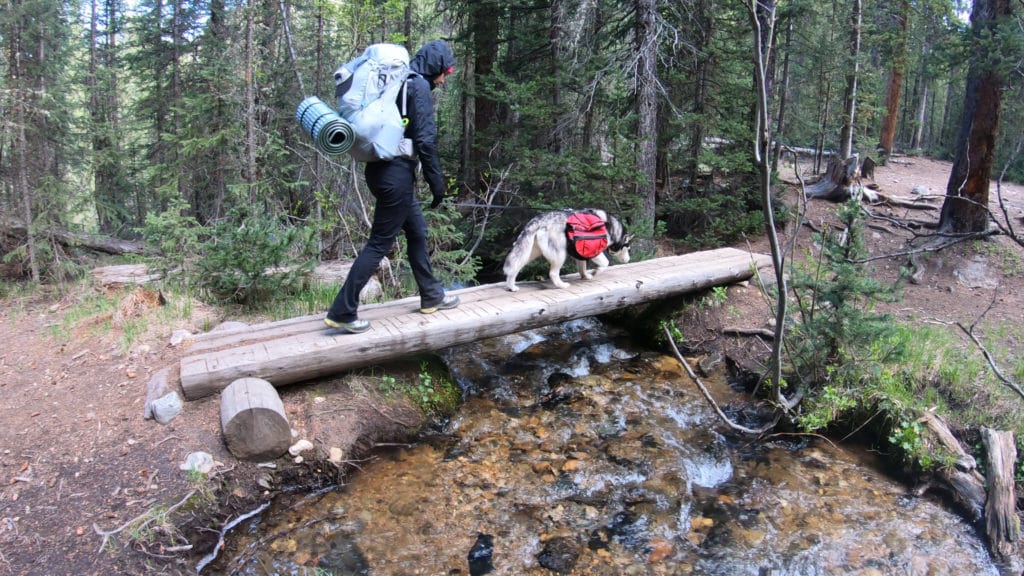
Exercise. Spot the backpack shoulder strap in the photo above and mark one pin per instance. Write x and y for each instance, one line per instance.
(405, 97)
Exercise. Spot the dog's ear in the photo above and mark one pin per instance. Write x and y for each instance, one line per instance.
(627, 239)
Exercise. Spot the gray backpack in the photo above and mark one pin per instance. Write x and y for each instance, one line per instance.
(367, 89)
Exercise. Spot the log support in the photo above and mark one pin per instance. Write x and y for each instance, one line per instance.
(253, 420)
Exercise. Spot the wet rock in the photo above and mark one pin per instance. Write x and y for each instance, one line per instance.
(710, 362)
(480, 556)
(660, 550)
(559, 555)
(343, 556)
(625, 452)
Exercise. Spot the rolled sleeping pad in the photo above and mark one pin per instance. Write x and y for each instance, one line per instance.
(331, 133)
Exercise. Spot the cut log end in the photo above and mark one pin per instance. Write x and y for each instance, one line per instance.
(253, 420)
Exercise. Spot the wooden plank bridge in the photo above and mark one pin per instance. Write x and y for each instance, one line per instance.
(300, 349)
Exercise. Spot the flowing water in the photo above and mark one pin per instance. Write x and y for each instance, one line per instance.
(577, 453)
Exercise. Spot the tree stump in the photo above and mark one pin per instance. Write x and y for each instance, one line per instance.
(253, 420)
(867, 169)
(1001, 523)
(839, 181)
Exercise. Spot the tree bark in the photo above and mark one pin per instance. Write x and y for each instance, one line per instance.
(895, 87)
(484, 24)
(922, 106)
(966, 207)
(702, 74)
(647, 105)
(780, 126)
(850, 96)
(250, 103)
(1001, 523)
(21, 177)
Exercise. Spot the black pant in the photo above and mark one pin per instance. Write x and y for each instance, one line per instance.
(397, 209)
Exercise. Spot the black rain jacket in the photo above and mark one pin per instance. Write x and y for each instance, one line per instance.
(430, 61)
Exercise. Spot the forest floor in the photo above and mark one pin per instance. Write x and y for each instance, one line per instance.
(88, 486)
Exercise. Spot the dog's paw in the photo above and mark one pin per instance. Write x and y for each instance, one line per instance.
(588, 275)
(512, 288)
(561, 284)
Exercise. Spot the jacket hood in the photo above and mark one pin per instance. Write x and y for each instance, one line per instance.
(432, 59)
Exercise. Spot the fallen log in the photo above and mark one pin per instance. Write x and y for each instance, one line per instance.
(106, 244)
(914, 203)
(962, 480)
(123, 274)
(300, 349)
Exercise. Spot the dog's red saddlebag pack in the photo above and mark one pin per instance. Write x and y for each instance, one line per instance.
(587, 235)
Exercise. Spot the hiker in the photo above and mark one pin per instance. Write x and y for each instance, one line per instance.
(392, 183)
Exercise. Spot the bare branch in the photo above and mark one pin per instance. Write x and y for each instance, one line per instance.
(489, 196)
(984, 351)
(707, 394)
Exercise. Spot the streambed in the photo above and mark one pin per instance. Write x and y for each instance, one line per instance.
(577, 452)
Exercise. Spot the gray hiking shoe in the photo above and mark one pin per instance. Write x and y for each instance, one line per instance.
(448, 303)
(353, 327)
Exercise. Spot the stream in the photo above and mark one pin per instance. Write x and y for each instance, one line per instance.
(577, 452)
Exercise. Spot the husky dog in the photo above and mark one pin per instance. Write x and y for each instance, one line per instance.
(544, 235)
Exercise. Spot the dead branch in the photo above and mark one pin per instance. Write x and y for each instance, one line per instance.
(152, 517)
(707, 395)
(749, 332)
(1018, 238)
(490, 195)
(984, 351)
(17, 231)
(915, 203)
(1001, 523)
(963, 481)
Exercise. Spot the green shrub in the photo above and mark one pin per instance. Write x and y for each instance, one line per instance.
(172, 239)
(836, 332)
(251, 259)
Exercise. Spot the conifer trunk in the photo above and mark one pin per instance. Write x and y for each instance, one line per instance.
(647, 104)
(850, 96)
(966, 207)
(887, 133)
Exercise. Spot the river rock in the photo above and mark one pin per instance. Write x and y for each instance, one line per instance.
(559, 555)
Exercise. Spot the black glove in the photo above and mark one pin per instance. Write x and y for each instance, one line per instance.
(438, 198)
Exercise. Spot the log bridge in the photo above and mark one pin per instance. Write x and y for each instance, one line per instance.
(298, 349)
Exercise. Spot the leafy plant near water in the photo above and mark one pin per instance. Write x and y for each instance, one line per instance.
(861, 367)
(854, 362)
(431, 390)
